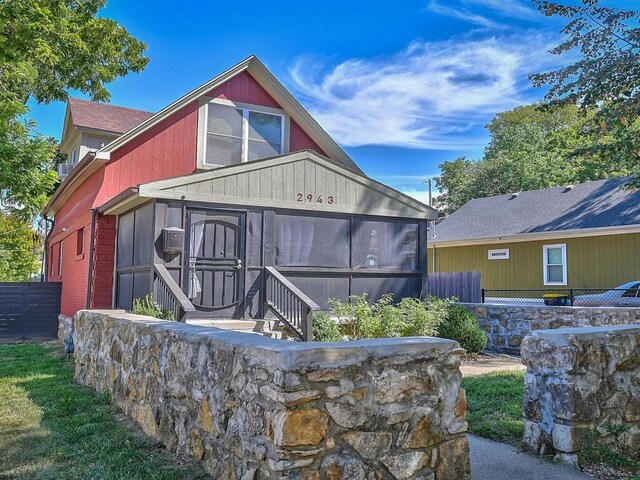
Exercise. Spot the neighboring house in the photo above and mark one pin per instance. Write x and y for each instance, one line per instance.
(193, 203)
(582, 236)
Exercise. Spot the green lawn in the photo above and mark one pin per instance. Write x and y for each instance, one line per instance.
(51, 428)
(494, 406)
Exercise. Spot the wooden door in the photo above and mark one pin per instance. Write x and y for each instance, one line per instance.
(215, 270)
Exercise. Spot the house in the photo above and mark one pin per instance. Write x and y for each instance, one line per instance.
(575, 237)
(230, 202)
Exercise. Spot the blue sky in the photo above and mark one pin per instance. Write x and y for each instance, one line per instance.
(402, 86)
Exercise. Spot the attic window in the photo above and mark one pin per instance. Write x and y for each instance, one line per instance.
(236, 133)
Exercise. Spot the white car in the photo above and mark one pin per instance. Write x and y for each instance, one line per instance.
(627, 295)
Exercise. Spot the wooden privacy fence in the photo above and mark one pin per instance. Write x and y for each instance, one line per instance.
(29, 311)
(465, 286)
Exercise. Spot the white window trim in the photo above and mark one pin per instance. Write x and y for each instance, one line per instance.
(545, 263)
(498, 252)
(203, 116)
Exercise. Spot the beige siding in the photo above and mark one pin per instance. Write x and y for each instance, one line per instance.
(592, 262)
(286, 183)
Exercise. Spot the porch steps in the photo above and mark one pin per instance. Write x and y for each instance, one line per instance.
(267, 328)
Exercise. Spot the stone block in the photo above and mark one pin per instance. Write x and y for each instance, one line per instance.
(305, 426)
(566, 438)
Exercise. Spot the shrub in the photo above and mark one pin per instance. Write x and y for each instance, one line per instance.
(462, 326)
(146, 306)
(325, 329)
(362, 318)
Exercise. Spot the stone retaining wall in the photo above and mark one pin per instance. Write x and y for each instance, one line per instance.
(507, 325)
(581, 385)
(65, 327)
(249, 407)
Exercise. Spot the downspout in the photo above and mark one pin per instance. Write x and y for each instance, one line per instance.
(94, 215)
(45, 257)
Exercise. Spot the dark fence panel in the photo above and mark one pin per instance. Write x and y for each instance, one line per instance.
(465, 286)
(29, 311)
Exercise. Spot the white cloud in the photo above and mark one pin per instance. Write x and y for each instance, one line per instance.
(467, 10)
(461, 13)
(432, 95)
(420, 195)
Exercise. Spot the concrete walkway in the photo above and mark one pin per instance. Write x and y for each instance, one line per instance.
(496, 461)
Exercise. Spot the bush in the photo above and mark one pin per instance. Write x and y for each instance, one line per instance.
(146, 306)
(462, 326)
(325, 329)
(361, 318)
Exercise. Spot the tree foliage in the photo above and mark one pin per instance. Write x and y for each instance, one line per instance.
(603, 44)
(19, 249)
(606, 72)
(531, 147)
(48, 47)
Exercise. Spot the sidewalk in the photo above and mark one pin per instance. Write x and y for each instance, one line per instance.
(496, 461)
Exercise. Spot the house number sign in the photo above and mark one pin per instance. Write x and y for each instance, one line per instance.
(312, 198)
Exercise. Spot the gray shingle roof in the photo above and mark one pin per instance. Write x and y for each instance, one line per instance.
(586, 205)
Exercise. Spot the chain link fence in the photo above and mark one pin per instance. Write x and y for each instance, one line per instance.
(584, 297)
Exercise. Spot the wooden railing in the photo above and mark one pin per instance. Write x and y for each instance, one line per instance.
(289, 304)
(168, 294)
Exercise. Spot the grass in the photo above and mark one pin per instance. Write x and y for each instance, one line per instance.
(494, 410)
(52, 428)
(494, 406)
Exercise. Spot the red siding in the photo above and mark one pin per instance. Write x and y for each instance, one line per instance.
(299, 140)
(74, 273)
(244, 88)
(165, 151)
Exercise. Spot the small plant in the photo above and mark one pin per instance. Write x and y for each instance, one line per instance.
(146, 306)
(362, 318)
(462, 326)
(325, 329)
(610, 448)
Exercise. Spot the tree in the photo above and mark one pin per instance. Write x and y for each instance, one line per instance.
(531, 147)
(48, 47)
(19, 249)
(606, 75)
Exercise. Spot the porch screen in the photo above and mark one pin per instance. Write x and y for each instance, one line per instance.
(385, 244)
(311, 241)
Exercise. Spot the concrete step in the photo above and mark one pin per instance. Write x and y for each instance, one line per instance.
(265, 327)
(226, 324)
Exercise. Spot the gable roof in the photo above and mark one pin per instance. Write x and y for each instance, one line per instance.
(585, 206)
(277, 182)
(105, 117)
(273, 87)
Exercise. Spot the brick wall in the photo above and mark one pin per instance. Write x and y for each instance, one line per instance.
(103, 262)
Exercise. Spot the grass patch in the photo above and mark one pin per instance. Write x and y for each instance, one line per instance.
(52, 428)
(494, 406)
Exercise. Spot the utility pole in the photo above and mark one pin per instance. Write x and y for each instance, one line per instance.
(430, 196)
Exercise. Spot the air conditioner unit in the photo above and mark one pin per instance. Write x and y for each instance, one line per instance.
(64, 169)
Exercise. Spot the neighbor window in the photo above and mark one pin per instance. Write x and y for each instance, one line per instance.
(236, 134)
(555, 264)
